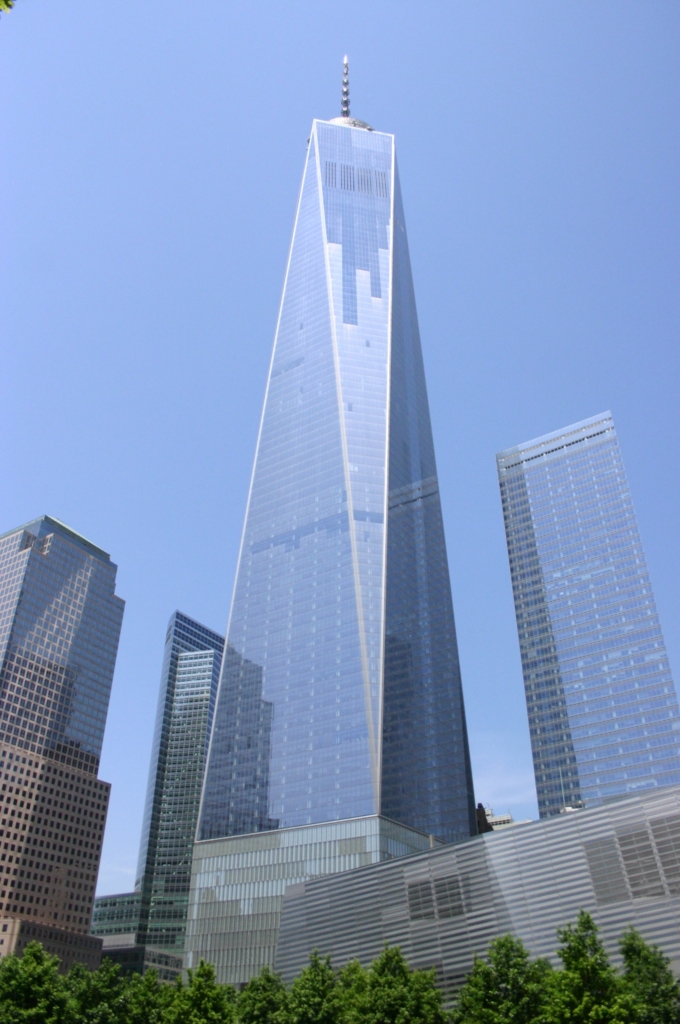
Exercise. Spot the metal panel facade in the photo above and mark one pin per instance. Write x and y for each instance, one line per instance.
(621, 862)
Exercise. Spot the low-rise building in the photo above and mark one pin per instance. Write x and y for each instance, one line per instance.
(620, 862)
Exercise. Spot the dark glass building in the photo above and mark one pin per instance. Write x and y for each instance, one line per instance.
(117, 915)
(60, 621)
(146, 927)
(191, 666)
(339, 735)
(603, 711)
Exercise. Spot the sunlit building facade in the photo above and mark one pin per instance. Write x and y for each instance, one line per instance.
(340, 697)
(603, 710)
(60, 622)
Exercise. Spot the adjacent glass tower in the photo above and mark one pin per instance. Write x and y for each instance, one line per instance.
(191, 667)
(340, 695)
(603, 711)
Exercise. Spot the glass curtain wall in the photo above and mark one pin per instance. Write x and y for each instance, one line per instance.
(340, 696)
(603, 711)
(191, 666)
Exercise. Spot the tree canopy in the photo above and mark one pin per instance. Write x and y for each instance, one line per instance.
(507, 987)
(504, 987)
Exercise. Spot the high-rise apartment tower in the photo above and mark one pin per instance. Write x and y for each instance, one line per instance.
(603, 711)
(340, 701)
(60, 621)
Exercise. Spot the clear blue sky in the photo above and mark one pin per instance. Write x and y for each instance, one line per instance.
(151, 157)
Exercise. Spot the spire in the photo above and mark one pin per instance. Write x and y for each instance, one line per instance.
(345, 117)
(344, 111)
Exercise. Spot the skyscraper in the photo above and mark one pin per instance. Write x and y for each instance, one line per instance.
(186, 699)
(603, 711)
(340, 697)
(145, 928)
(60, 621)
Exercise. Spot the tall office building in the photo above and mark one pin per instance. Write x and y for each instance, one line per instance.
(146, 928)
(340, 701)
(60, 621)
(186, 699)
(603, 711)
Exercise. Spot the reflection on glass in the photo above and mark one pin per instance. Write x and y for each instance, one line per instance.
(343, 549)
(603, 711)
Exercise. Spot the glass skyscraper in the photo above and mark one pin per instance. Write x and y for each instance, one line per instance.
(186, 700)
(340, 693)
(60, 621)
(340, 696)
(603, 711)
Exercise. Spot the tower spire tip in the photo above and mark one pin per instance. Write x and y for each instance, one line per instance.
(344, 110)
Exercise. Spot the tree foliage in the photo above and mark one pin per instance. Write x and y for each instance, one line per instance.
(509, 988)
(648, 981)
(391, 993)
(262, 1000)
(6, 5)
(32, 991)
(504, 987)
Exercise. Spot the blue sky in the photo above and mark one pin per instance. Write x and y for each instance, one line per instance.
(151, 158)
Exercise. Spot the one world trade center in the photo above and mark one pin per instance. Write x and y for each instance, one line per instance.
(339, 733)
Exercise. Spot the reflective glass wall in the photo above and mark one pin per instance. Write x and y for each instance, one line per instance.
(603, 711)
(60, 621)
(191, 667)
(340, 693)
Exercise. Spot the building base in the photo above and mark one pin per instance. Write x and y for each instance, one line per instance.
(71, 947)
(238, 884)
(135, 958)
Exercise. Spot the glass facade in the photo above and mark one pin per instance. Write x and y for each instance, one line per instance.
(60, 621)
(340, 694)
(117, 915)
(603, 711)
(238, 885)
(191, 666)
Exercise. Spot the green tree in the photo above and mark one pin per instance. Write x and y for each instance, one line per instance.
(145, 999)
(588, 990)
(6, 5)
(32, 991)
(391, 993)
(263, 999)
(507, 988)
(352, 983)
(202, 1000)
(314, 997)
(97, 995)
(649, 981)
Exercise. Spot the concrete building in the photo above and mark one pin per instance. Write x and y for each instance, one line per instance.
(503, 819)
